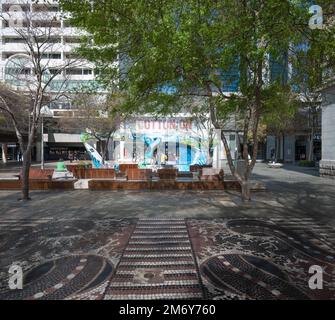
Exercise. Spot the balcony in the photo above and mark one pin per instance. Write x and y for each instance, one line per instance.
(12, 32)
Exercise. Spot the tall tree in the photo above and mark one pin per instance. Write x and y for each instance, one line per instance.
(174, 51)
(29, 74)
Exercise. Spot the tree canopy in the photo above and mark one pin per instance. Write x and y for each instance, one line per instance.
(219, 53)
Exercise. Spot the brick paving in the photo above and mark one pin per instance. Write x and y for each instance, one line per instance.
(157, 263)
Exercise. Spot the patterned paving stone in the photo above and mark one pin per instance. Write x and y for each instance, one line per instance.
(262, 259)
(61, 278)
(62, 258)
(109, 258)
(160, 271)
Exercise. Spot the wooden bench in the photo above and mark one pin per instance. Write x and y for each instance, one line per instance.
(210, 174)
(139, 174)
(185, 174)
(39, 174)
(80, 172)
(167, 174)
(123, 167)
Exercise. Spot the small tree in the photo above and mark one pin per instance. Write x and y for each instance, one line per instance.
(30, 75)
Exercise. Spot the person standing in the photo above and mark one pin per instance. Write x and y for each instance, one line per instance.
(163, 159)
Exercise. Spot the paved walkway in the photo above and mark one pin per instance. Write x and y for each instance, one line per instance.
(157, 263)
(114, 245)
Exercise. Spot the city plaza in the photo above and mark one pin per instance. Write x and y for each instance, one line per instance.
(164, 220)
(170, 244)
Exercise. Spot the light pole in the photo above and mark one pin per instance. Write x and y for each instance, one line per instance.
(42, 142)
(45, 111)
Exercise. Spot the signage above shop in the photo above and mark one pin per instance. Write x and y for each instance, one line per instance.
(160, 125)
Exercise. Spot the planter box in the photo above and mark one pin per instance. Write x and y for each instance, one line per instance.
(232, 185)
(210, 174)
(167, 174)
(155, 185)
(123, 167)
(10, 184)
(82, 173)
(39, 174)
(37, 185)
(139, 174)
(118, 185)
(185, 174)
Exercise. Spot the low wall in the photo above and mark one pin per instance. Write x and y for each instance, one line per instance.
(123, 167)
(110, 184)
(327, 169)
(155, 185)
(84, 173)
(37, 185)
(232, 185)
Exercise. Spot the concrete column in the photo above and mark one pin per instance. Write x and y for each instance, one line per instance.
(289, 148)
(327, 164)
(4, 152)
(122, 148)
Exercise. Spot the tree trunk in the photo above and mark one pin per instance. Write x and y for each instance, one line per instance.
(245, 190)
(210, 151)
(25, 174)
(104, 153)
(105, 147)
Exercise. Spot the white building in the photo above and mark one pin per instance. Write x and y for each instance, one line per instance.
(327, 164)
(65, 38)
(15, 15)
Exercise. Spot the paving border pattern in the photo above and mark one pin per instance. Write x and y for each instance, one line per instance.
(167, 258)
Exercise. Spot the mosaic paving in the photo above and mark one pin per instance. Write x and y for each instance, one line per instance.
(263, 259)
(163, 258)
(61, 259)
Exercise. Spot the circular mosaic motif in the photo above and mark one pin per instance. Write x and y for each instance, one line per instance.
(250, 276)
(62, 278)
(287, 237)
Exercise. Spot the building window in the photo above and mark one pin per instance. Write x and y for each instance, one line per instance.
(49, 40)
(72, 40)
(87, 72)
(45, 8)
(71, 56)
(47, 24)
(78, 72)
(13, 40)
(52, 56)
(55, 71)
(5, 24)
(24, 7)
(74, 72)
